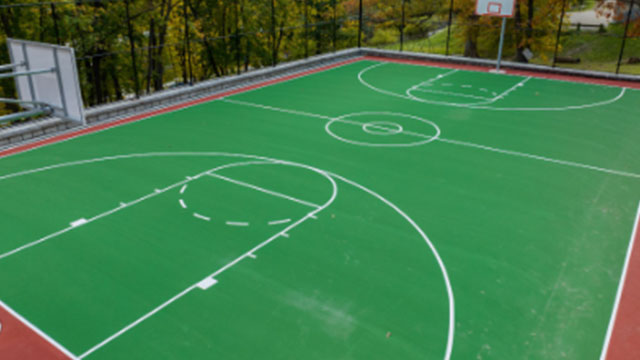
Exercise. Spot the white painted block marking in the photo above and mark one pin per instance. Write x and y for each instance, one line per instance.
(207, 283)
(285, 235)
(253, 256)
(202, 217)
(123, 204)
(277, 222)
(158, 191)
(237, 223)
(79, 222)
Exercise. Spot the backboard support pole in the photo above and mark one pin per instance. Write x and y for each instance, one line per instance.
(504, 26)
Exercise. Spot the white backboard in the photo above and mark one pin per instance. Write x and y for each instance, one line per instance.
(502, 8)
(59, 88)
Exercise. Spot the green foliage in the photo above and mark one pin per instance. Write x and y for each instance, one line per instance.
(103, 36)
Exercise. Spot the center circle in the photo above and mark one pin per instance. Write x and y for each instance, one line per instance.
(382, 128)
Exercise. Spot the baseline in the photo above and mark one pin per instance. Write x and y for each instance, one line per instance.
(623, 338)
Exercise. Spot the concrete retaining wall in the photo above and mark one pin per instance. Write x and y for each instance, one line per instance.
(43, 128)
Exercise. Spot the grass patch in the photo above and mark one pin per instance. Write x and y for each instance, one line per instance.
(597, 51)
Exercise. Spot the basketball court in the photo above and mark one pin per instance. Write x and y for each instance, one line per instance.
(370, 209)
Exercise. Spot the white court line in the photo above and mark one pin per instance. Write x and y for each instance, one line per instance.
(237, 223)
(478, 146)
(623, 277)
(490, 71)
(541, 158)
(37, 330)
(337, 119)
(278, 222)
(248, 254)
(122, 206)
(294, 112)
(474, 106)
(201, 217)
(509, 90)
(138, 321)
(184, 206)
(452, 94)
(438, 77)
(434, 251)
(78, 222)
(270, 192)
(183, 189)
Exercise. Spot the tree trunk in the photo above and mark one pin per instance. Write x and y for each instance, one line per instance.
(471, 43)
(5, 20)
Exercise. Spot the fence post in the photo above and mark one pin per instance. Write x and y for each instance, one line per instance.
(333, 25)
(360, 24)
(449, 26)
(274, 53)
(132, 48)
(306, 29)
(555, 52)
(402, 26)
(187, 53)
(624, 36)
(55, 23)
(237, 38)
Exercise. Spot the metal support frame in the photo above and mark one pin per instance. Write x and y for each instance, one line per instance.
(40, 109)
(65, 84)
(27, 73)
(24, 114)
(63, 98)
(32, 90)
(11, 66)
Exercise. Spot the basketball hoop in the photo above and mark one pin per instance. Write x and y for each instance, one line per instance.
(501, 8)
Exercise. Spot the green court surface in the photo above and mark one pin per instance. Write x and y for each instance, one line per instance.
(370, 211)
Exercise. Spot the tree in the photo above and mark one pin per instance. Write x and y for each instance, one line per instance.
(532, 27)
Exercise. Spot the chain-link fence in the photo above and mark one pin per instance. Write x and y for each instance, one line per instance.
(127, 48)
